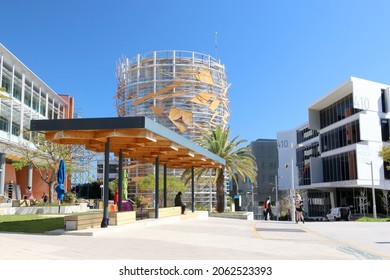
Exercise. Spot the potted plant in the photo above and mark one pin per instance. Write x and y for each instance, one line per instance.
(140, 201)
(70, 197)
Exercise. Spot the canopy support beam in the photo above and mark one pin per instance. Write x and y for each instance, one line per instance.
(193, 189)
(120, 179)
(165, 185)
(156, 199)
(104, 223)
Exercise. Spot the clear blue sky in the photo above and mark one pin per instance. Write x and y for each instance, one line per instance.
(280, 55)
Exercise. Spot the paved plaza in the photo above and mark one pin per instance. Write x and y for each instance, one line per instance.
(197, 238)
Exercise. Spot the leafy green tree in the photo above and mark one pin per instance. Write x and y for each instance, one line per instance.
(239, 160)
(174, 185)
(45, 157)
(385, 154)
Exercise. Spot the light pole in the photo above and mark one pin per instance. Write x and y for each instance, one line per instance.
(253, 200)
(277, 198)
(292, 191)
(373, 191)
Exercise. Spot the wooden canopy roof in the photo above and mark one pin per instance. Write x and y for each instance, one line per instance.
(139, 138)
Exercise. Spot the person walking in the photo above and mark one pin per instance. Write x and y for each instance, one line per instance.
(268, 212)
(265, 209)
(29, 194)
(299, 209)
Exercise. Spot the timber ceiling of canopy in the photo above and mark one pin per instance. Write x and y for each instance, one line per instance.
(139, 138)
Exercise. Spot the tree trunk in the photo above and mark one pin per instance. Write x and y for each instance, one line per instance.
(51, 191)
(220, 192)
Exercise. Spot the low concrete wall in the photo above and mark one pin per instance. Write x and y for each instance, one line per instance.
(233, 215)
(165, 212)
(45, 209)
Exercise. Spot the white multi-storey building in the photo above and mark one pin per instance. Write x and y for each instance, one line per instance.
(334, 155)
(23, 96)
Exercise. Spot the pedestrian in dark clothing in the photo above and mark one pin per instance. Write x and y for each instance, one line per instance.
(178, 202)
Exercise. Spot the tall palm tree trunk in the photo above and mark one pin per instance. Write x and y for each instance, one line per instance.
(220, 191)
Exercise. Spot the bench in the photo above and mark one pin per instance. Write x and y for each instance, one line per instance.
(23, 202)
(165, 212)
(121, 218)
(77, 222)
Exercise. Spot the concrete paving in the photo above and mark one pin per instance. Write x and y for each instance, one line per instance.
(198, 237)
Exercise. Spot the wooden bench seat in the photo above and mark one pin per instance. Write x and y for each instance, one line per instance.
(121, 218)
(77, 222)
(165, 212)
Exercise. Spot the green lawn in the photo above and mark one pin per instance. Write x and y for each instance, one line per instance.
(370, 219)
(30, 223)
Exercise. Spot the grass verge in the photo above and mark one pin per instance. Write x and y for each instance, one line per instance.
(370, 219)
(30, 223)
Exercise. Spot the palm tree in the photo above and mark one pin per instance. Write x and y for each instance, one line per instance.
(238, 160)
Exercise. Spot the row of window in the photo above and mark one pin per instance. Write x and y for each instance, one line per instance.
(341, 167)
(340, 137)
(6, 82)
(305, 134)
(4, 126)
(303, 162)
(337, 111)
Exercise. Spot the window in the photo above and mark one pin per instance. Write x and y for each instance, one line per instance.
(15, 129)
(386, 170)
(385, 130)
(337, 111)
(6, 82)
(17, 91)
(340, 167)
(384, 101)
(27, 97)
(341, 136)
(35, 104)
(43, 108)
(4, 124)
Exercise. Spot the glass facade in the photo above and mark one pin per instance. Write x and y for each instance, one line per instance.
(305, 134)
(340, 137)
(23, 97)
(265, 152)
(27, 97)
(318, 203)
(337, 111)
(303, 162)
(340, 167)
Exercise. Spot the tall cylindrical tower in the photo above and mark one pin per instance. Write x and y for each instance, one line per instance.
(184, 91)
